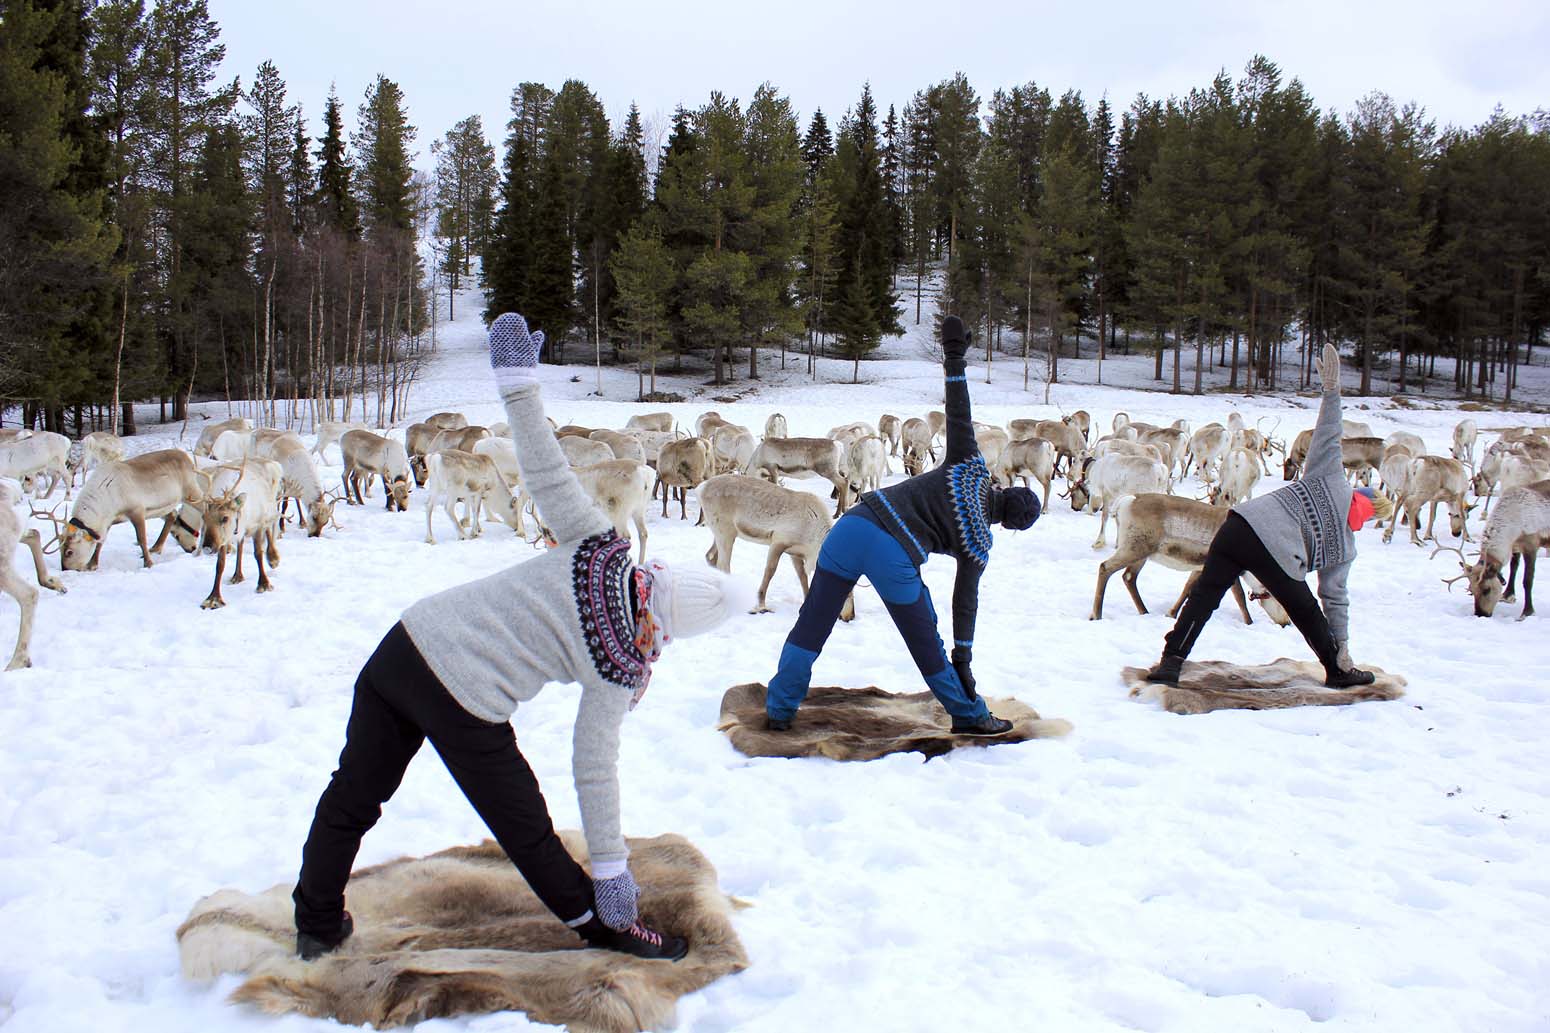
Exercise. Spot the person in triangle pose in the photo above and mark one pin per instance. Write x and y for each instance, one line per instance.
(887, 536)
(458, 664)
(1279, 538)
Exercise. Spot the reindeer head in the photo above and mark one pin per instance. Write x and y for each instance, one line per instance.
(1290, 469)
(398, 494)
(223, 522)
(80, 545)
(319, 514)
(1484, 577)
(188, 527)
(1456, 519)
(1267, 602)
(420, 469)
(1079, 493)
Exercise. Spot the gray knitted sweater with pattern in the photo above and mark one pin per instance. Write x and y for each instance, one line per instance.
(560, 617)
(1303, 525)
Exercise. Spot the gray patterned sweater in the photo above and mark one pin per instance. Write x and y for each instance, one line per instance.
(1303, 525)
(564, 616)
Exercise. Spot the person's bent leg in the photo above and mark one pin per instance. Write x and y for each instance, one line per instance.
(833, 581)
(379, 743)
(1222, 568)
(1301, 605)
(486, 764)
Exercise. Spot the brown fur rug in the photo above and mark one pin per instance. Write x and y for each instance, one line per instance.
(864, 724)
(1218, 685)
(460, 932)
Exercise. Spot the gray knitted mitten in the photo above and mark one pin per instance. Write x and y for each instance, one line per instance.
(616, 900)
(514, 351)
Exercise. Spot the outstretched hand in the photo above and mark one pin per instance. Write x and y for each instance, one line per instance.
(514, 351)
(1329, 369)
(955, 338)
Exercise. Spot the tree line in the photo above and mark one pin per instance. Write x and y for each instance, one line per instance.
(168, 236)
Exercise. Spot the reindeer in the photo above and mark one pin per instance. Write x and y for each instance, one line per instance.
(734, 447)
(1519, 528)
(706, 425)
(622, 489)
(683, 465)
(775, 426)
(622, 445)
(1464, 435)
(1069, 444)
(448, 421)
(1256, 441)
(233, 517)
(1239, 474)
(1497, 457)
(845, 433)
(100, 447)
(1361, 456)
(1394, 472)
(1110, 445)
(371, 455)
(1433, 479)
(1177, 532)
(330, 431)
(791, 523)
(1411, 443)
(1030, 457)
(936, 419)
(583, 451)
(40, 452)
(213, 431)
(889, 428)
(992, 442)
(651, 442)
(10, 434)
(501, 452)
(918, 449)
(1104, 482)
(14, 532)
(866, 460)
(657, 421)
(1207, 446)
(1173, 445)
(795, 456)
(476, 480)
(1355, 429)
(1297, 455)
(299, 478)
(423, 439)
(573, 430)
(1082, 420)
(150, 485)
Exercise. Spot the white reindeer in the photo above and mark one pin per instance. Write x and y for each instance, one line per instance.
(14, 532)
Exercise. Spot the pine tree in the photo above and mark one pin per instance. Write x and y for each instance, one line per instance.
(956, 137)
(644, 274)
(301, 181)
(862, 237)
(336, 198)
(772, 234)
(549, 301)
(382, 144)
(817, 145)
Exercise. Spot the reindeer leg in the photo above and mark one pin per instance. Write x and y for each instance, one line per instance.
(640, 525)
(166, 529)
(27, 598)
(771, 561)
(1131, 579)
(1431, 523)
(1243, 602)
(213, 601)
(264, 584)
(1189, 586)
(1103, 524)
(238, 577)
(272, 549)
(34, 542)
(1511, 595)
(1105, 571)
(138, 520)
(1528, 583)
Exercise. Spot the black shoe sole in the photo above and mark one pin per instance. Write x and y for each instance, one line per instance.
(679, 952)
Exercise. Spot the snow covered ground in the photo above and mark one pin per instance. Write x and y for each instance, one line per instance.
(1376, 867)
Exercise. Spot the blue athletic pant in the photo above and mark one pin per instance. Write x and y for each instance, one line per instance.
(857, 546)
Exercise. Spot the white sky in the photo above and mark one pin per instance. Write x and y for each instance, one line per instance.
(462, 57)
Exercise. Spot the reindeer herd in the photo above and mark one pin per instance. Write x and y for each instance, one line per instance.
(234, 488)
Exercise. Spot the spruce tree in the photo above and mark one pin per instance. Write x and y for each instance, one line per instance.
(382, 143)
(507, 253)
(817, 145)
(549, 302)
(644, 274)
(336, 198)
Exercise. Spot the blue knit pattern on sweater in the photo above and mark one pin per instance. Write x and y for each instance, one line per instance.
(968, 483)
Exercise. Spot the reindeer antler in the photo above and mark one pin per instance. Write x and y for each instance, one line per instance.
(52, 516)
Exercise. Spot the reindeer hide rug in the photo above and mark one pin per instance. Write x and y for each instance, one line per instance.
(1219, 685)
(460, 932)
(864, 724)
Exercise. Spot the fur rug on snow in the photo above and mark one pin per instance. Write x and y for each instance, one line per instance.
(864, 724)
(1219, 685)
(460, 932)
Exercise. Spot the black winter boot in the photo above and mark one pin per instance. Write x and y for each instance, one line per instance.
(312, 947)
(637, 940)
(778, 724)
(990, 724)
(1168, 670)
(1339, 679)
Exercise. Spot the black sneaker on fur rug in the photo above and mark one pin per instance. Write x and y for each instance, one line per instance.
(864, 724)
(1349, 679)
(461, 933)
(1167, 671)
(311, 947)
(1217, 685)
(990, 724)
(637, 941)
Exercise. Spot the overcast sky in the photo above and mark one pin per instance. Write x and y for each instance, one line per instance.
(460, 57)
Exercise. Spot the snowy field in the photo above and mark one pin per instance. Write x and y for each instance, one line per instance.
(1374, 867)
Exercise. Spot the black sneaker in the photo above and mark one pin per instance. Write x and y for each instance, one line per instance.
(312, 947)
(989, 724)
(1168, 670)
(637, 940)
(1349, 679)
(778, 724)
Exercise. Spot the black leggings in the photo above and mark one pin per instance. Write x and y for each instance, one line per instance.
(1237, 549)
(399, 703)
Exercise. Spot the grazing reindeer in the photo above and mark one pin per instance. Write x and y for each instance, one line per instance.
(621, 444)
(1124, 446)
(423, 439)
(791, 523)
(1082, 420)
(622, 489)
(1297, 455)
(144, 487)
(1394, 472)
(12, 583)
(661, 422)
(582, 451)
(682, 466)
(866, 460)
(1104, 482)
(1464, 436)
(503, 454)
(1361, 456)
(992, 442)
(372, 455)
(1030, 457)
(1207, 446)
(824, 457)
(299, 481)
(232, 518)
(475, 479)
(100, 447)
(1355, 429)
(918, 448)
(1411, 443)
(40, 452)
(1173, 445)
(1070, 446)
(889, 428)
(1177, 533)
(706, 425)
(1433, 479)
(448, 421)
(734, 446)
(775, 426)
(1240, 472)
(330, 431)
(936, 419)
(845, 433)
(212, 432)
(1519, 528)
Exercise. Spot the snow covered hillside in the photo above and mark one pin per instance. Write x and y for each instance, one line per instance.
(1376, 867)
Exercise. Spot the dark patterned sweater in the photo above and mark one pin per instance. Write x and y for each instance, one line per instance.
(946, 510)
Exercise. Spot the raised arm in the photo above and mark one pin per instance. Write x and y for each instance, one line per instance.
(961, 443)
(567, 510)
(1324, 457)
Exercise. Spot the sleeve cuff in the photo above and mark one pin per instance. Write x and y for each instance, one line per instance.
(510, 378)
(610, 869)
